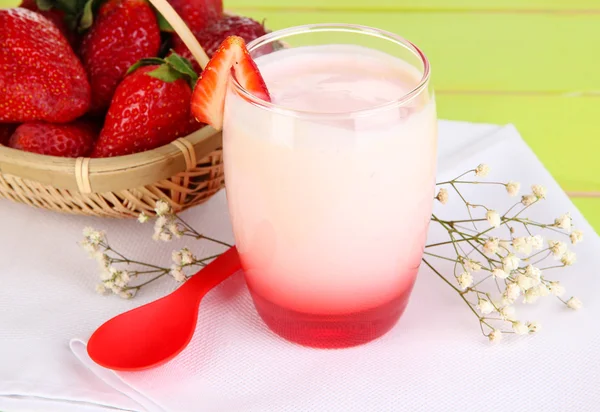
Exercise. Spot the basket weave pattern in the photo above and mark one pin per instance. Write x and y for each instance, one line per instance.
(171, 173)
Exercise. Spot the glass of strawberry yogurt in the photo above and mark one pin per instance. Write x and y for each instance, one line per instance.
(330, 185)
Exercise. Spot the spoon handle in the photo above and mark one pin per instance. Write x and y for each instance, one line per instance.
(211, 275)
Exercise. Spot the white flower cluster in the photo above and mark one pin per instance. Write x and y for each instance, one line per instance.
(513, 264)
(181, 258)
(113, 280)
(165, 226)
(442, 196)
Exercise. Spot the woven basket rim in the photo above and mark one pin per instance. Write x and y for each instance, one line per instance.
(112, 173)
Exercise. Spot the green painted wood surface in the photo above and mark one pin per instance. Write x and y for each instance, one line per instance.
(534, 63)
(410, 5)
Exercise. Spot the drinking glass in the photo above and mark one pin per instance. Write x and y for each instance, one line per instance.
(330, 206)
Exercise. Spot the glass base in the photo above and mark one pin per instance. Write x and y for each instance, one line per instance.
(331, 331)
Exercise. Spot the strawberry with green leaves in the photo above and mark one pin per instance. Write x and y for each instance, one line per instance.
(150, 108)
(41, 78)
(65, 140)
(56, 16)
(123, 32)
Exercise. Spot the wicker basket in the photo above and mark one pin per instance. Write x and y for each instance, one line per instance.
(185, 172)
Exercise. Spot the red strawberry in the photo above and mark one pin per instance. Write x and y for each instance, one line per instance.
(208, 99)
(6, 131)
(211, 37)
(55, 16)
(123, 32)
(198, 14)
(150, 108)
(65, 140)
(40, 76)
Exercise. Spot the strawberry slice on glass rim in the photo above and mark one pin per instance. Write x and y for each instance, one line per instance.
(231, 58)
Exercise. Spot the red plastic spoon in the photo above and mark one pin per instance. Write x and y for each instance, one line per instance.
(156, 332)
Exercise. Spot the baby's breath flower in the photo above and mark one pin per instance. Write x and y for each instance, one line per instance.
(507, 312)
(521, 245)
(175, 230)
(102, 259)
(564, 222)
(493, 218)
(162, 208)
(187, 257)
(499, 273)
(574, 303)
(122, 278)
(91, 248)
(482, 170)
(495, 336)
(536, 242)
(177, 273)
(485, 306)
(464, 280)
(176, 257)
(165, 236)
(528, 200)
(556, 288)
(568, 258)
(533, 273)
(557, 248)
(472, 266)
(576, 236)
(106, 273)
(512, 292)
(534, 327)
(100, 288)
(542, 290)
(125, 294)
(513, 188)
(491, 245)
(161, 222)
(520, 328)
(539, 191)
(93, 236)
(525, 282)
(510, 262)
(143, 218)
(442, 196)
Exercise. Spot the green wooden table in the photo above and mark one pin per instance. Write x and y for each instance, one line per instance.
(533, 63)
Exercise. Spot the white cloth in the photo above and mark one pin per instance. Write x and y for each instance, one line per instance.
(434, 360)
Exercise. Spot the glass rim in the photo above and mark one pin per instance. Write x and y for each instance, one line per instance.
(339, 27)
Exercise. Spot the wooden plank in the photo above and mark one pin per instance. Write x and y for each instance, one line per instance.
(495, 52)
(563, 132)
(590, 208)
(420, 5)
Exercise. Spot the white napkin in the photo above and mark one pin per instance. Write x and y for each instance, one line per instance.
(434, 360)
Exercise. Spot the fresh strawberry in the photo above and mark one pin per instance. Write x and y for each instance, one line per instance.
(123, 32)
(55, 16)
(198, 14)
(211, 37)
(40, 76)
(150, 108)
(6, 131)
(208, 99)
(65, 140)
